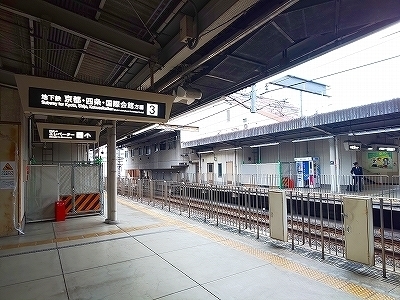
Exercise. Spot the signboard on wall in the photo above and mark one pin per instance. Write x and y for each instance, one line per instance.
(64, 133)
(379, 160)
(75, 99)
(7, 175)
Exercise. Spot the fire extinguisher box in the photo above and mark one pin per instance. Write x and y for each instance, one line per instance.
(60, 210)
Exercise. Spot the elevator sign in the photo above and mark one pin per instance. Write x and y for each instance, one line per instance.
(64, 134)
(80, 102)
(68, 133)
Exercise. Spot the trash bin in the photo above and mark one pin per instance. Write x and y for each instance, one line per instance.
(60, 210)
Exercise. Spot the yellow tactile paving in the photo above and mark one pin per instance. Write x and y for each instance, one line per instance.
(129, 229)
(351, 288)
(79, 237)
(378, 296)
(74, 238)
(43, 242)
(64, 239)
(358, 290)
(90, 235)
(333, 281)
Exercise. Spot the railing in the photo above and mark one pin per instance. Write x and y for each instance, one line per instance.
(315, 219)
(368, 185)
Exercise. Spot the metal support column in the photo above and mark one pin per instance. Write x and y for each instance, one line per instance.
(112, 175)
(332, 163)
(337, 162)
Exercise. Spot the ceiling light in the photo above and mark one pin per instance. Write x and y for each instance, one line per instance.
(389, 149)
(264, 145)
(228, 149)
(375, 131)
(313, 139)
(204, 152)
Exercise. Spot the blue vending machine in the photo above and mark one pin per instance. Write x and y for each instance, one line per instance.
(307, 172)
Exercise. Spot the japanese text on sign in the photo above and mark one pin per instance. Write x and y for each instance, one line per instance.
(68, 134)
(52, 99)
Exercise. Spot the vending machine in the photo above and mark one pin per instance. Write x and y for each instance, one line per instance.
(307, 172)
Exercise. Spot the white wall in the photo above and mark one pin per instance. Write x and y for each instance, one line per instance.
(162, 164)
(60, 152)
(286, 152)
(218, 118)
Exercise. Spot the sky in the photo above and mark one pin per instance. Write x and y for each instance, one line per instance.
(367, 83)
(360, 73)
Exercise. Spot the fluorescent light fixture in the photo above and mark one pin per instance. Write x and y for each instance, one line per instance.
(264, 145)
(389, 149)
(228, 149)
(354, 147)
(374, 131)
(137, 132)
(204, 152)
(313, 139)
(178, 127)
(370, 148)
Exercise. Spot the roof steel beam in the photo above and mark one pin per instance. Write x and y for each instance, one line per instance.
(235, 38)
(213, 18)
(81, 26)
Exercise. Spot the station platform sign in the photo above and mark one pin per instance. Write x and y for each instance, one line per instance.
(75, 99)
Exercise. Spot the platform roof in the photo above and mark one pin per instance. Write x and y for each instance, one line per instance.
(138, 44)
(381, 117)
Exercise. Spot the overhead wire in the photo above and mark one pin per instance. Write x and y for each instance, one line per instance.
(280, 88)
(317, 78)
(335, 73)
(364, 49)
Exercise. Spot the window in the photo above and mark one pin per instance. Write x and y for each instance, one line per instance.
(126, 154)
(219, 170)
(148, 150)
(172, 144)
(132, 152)
(163, 146)
(156, 147)
(140, 151)
(210, 168)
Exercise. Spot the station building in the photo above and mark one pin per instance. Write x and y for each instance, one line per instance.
(330, 143)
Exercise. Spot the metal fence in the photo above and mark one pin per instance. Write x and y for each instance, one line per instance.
(315, 219)
(42, 191)
(79, 185)
(366, 185)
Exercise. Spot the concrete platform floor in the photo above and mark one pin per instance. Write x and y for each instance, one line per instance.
(153, 254)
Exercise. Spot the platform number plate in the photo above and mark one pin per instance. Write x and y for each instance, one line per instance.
(152, 109)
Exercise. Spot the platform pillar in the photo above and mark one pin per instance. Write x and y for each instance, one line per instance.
(112, 174)
(332, 164)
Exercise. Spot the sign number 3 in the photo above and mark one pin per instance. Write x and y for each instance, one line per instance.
(152, 109)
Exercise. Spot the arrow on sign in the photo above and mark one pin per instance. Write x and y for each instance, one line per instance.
(87, 135)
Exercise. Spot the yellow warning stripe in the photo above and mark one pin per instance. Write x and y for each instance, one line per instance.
(80, 237)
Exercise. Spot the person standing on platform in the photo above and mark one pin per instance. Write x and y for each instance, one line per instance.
(357, 173)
